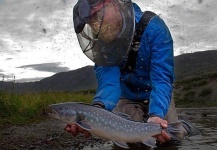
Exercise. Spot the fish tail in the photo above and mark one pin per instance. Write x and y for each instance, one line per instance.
(182, 129)
(190, 128)
(175, 131)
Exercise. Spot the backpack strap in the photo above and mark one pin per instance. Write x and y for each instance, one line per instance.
(139, 30)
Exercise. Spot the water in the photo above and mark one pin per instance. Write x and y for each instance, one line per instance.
(206, 141)
(205, 120)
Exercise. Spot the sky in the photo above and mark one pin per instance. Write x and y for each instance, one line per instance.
(37, 37)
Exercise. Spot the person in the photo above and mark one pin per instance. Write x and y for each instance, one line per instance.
(142, 87)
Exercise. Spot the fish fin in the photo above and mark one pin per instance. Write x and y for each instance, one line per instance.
(151, 142)
(190, 128)
(175, 131)
(121, 144)
(84, 124)
(123, 115)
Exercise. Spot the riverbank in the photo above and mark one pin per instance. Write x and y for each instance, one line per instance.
(50, 134)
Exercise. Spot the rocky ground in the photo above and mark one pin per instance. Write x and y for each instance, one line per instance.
(50, 134)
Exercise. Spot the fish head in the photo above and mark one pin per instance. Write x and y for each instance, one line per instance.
(63, 111)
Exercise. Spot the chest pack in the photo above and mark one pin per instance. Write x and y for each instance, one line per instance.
(139, 30)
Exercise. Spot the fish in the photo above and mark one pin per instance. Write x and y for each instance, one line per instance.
(115, 126)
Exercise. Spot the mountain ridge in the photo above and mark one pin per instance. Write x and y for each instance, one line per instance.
(186, 66)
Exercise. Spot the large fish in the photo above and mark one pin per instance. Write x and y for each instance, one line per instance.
(108, 125)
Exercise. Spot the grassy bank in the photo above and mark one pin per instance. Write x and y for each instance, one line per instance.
(197, 91)
(26, 108)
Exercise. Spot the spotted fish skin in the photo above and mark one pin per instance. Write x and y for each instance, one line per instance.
(107, 125)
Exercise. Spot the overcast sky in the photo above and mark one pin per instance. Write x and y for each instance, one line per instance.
(37, 37)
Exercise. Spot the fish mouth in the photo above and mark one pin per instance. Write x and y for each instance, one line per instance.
(52, 113)
(55, 115)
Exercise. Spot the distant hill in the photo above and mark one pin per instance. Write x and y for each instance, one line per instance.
(186, 66)
(196, 83)
(75, 80)
(194, 64)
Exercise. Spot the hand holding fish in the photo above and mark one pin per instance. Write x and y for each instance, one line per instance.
(163, 137)
(75, 130)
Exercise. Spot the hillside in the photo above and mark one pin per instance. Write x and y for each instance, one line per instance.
(75, 80)
(195, 91)
(194, 64)
(195, 79)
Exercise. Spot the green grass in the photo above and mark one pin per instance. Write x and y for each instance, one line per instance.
(196, 91)
(27, 108)
(205, 92)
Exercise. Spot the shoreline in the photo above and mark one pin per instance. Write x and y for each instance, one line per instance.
(197, 111)
(50, 134)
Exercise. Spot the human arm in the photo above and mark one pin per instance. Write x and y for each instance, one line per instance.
(161, 73)
(107, 94)
(108, 90)
(161, 67)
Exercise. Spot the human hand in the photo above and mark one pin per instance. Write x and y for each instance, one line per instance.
(163, 137)
(75, 130)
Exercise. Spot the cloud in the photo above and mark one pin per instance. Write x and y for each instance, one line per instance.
(47, 67)
(26, 19)
(1, 44)
(200, 1)
(38, 39)
(192, 24)
(29, 79)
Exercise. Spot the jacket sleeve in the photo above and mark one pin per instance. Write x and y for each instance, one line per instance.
(108, 90)
(161, 67)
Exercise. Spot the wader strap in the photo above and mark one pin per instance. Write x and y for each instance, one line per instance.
(139, 30)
